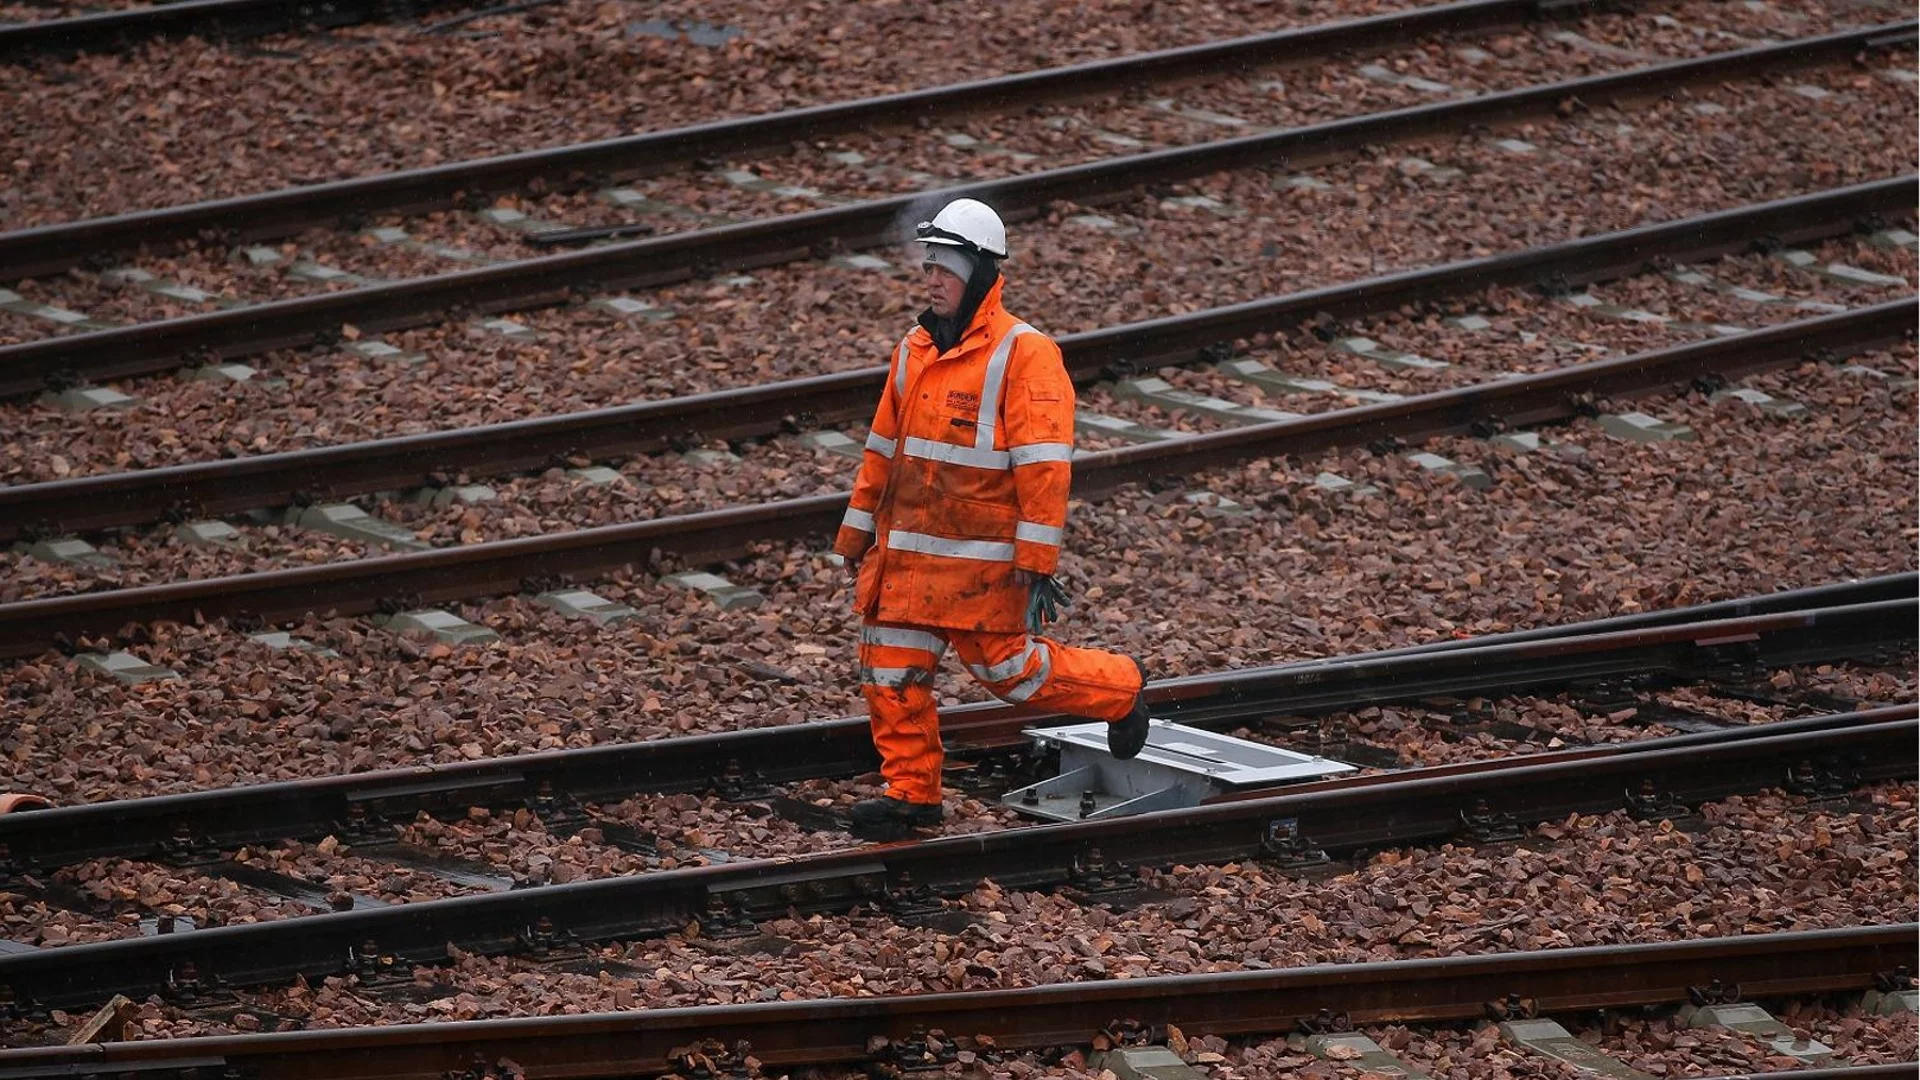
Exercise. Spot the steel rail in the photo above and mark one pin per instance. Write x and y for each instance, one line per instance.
(556, 783)
(505, 566)
(200, 824)
(1696, 650)
(843, 1030)
(204, 18)
(1841, 594)
(240, 332)
(909, 877)
(754, 758)
(214, 488)
(1522, 401)
(51, 248)
(1908, 710)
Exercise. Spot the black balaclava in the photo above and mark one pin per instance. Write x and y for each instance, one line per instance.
(946, 332)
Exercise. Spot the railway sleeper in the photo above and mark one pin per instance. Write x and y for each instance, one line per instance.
(1893, 993)
(1720, 1006)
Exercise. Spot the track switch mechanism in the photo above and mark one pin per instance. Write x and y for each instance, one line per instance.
(1180, 767)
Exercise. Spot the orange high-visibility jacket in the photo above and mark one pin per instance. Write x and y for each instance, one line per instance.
(964, 478)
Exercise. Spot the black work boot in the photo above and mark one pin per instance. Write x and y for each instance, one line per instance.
(891, 819)
(1127, 736)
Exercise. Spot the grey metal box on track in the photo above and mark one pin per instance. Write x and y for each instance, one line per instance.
(1180, 766)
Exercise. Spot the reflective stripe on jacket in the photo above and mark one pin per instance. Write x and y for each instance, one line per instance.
(964, 478)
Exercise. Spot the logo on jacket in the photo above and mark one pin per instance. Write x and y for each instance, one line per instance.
(961, 401)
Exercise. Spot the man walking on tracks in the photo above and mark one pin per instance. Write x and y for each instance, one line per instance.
(956, 522)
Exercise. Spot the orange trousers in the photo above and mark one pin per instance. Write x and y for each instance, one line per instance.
(897, 665)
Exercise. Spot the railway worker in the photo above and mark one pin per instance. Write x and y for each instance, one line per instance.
(955, 525)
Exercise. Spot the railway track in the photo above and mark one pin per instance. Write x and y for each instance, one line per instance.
(521, 583)
(226, 19)
(181, 502)
(318, 844)
(894, 1031)
(496, 567)
(38, 251)
(841, 60)
(1297, 829)
(1804, 626)
(270, 480)
(1820, 756)
(248, 331)
(273, 215)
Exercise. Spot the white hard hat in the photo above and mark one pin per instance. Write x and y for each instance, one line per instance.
(966, 223)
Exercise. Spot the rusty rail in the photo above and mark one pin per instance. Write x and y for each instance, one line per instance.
(1098, 858)
(214, 488)
(1844, 621)
(240, 332)
(51, 248)
(844, 1030)
(498, 567)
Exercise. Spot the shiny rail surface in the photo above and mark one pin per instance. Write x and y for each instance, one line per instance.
(147, 348)
(847, 1031)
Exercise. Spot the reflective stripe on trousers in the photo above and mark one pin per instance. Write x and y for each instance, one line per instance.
(1011, 668)
(897, 666)
(1007, 680)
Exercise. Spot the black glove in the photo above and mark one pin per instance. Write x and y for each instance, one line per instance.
(1045, 598)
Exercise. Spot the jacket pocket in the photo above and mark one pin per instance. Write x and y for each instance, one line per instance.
(1042, 410)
